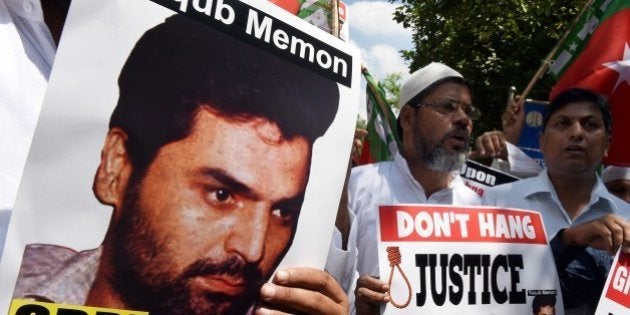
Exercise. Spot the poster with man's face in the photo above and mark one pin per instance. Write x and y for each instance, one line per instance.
(185, 150)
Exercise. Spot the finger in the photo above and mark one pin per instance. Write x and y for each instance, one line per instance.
(370, 296)
(490, 145)
(295, 300)
(372, 283)
(617, 233)
(311, 279)
(264, 310)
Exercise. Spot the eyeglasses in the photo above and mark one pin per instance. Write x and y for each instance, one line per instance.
(448, 107)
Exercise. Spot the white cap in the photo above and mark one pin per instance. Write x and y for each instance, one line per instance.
(611, 173)
(423, 78)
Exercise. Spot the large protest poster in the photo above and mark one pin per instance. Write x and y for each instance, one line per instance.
(182, 139)
(480, 178)
(615, 299)
(440, 259)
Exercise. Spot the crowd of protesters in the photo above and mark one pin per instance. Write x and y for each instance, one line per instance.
(586, 215)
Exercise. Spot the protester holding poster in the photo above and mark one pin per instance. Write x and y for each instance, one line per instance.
(575, 137)
(210, 95)
(435, 123)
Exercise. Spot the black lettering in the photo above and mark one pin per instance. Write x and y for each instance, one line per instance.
(485, 295)
(32, 309)
(421, 262)
(500, 296)
(516, 263)
(456, 279)
(472, 263)
(438, 297)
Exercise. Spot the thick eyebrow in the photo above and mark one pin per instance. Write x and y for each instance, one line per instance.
(233, 184)
(227, 180)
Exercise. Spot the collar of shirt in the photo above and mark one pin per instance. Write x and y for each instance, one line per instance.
(26, 9)
(541, 184)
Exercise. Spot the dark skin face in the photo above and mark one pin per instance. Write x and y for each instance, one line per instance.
(425, 129)
(620, 188)
(205, 225)
(575, 140)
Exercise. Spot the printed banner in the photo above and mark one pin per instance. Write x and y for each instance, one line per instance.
(615, 299)
(528, 142)
(185, 151)
(479, 177)
(29, 307)
(453, 260)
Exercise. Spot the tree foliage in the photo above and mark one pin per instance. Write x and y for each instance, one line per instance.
(494, 44)
(391, 85)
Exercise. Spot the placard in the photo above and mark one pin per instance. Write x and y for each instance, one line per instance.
(452, 260)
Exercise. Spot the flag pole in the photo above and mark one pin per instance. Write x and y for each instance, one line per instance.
(553, 52)
(334, 23)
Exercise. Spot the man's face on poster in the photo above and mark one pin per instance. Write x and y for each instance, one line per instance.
(207, 223)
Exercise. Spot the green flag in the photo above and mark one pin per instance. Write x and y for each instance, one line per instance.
(381, 143)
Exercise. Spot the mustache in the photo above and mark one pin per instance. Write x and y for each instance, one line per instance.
(234, 267)
(458, 131)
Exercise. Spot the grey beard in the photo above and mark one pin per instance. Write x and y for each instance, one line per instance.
(440, 160)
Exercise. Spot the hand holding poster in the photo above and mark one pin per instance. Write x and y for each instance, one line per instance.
(202, 129)
(448, 259)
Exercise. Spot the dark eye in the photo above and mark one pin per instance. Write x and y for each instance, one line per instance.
(450, 106)
(562, 123)
(284, 214)
(591, 125)
(220, 197)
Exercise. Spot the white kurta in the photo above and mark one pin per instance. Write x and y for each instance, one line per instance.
(27, 51)
(392, 183)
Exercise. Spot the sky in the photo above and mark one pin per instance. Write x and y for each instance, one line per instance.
(379, 39)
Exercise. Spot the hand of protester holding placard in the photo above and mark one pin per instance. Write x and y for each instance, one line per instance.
(303, 290)
(490, 144)
(606, 233)
(370, 293)
(513, 120)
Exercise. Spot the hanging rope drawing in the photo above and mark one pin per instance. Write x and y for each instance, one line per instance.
(393, 255)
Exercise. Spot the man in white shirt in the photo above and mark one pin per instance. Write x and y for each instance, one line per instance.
(569, 194)
(435, 123)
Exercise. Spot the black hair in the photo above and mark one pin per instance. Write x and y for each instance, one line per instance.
(574, 95)
(181, 66)
(419, 98)
(543, 300)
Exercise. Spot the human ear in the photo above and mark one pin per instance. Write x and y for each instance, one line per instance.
(608, 140)
(112, 175)
(407, 119)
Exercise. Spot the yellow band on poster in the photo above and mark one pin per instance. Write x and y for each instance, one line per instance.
(28, 307)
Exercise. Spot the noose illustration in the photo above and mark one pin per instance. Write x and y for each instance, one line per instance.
(393, 255)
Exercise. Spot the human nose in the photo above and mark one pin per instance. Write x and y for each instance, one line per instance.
(576, 132)
(461, 118)
(248, 238)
